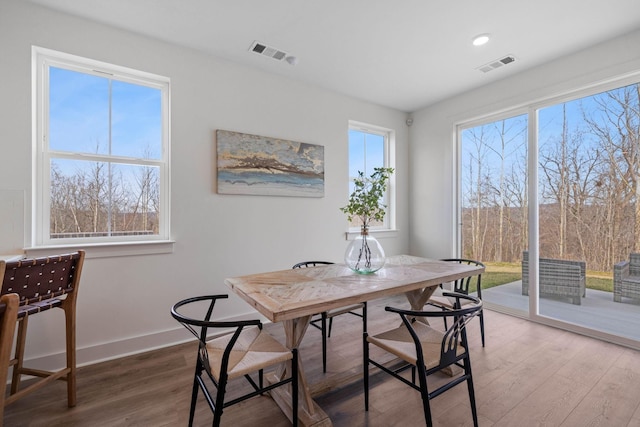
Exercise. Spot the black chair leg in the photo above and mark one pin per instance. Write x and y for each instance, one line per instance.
(365, 364)
(194, 399)
(219, 405)
(324, 342)
(472, 395)
(330, 327)
(424, 393)
(481, 315)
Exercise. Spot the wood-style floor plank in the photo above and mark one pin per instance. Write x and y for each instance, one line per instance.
(527, 375)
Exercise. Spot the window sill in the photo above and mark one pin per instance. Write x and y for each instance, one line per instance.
(106, 250)
(378, 234)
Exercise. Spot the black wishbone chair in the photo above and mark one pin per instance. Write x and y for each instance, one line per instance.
(322, 318)
(461, 286)
(245, 350)
(427, 350)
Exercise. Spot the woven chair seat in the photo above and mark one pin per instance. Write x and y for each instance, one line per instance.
(38, 306)
(342, 310)
(399, 342)
(254, 350)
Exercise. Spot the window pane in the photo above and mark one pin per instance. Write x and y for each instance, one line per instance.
(95, 199)
(589, 216)
(375, 152)
(136, 121)
(493, 177)
(367, 151)
(78, 112)
(356, 153)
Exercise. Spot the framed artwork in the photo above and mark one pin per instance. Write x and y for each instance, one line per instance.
(259, 165)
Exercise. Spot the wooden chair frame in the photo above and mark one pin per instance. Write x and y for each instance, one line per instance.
(42, 284)
(8, 319)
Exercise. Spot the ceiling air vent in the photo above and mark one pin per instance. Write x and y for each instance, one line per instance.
(496, 64)
(271, 52)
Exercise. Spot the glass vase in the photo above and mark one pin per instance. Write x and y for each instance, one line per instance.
(364, 254)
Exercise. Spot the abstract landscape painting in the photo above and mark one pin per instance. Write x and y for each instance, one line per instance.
(259, 165)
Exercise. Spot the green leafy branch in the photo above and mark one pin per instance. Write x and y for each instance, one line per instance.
(365, 200)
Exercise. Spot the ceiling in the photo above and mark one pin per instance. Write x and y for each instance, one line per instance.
(403, 54)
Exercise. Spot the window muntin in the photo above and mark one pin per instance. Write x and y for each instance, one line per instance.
(369, 148)
(101, 152)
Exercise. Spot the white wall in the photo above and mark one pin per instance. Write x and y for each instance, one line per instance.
(124, 301)
(432, 139)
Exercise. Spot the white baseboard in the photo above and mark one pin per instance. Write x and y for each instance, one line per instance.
(122, 348)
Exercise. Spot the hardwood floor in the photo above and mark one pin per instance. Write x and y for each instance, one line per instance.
(527, 375)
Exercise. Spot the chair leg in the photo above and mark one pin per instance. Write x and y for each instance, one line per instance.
(219, 406)
(481, 316)
(365, 365)
(472, 395)
(324, 341)
(19, 354)
(445, 319)
(330, 327)
(194, 397)
(70, 325)
(424, 393)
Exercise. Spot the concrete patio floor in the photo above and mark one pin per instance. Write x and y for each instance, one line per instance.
(598, 310)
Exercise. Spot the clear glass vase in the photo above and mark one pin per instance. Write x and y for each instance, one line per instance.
(364, 254)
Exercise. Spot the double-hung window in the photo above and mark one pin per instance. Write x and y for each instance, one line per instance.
(372, 147)
(101, 152)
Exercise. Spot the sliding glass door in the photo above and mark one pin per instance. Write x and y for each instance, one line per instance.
(579, 189)
(589, 218)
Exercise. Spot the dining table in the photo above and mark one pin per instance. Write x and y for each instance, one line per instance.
(293, 296)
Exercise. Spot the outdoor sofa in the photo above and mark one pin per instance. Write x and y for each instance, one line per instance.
(558, 278)
(626, 278)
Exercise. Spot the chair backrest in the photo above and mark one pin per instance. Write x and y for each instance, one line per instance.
(462, 286)
(199, 327)
(311, 264)
(40, 279)
(454, 336)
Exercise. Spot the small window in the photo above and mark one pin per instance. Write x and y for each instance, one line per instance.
(371, 147)
(101, 152)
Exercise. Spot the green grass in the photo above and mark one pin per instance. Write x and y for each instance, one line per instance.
(498, 274)
(491, 279)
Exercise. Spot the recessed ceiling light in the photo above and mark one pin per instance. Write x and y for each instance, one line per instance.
(480, 39)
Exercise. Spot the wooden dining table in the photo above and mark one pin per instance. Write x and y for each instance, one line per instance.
(294, 296)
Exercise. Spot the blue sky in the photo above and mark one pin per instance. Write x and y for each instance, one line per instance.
(79, 115)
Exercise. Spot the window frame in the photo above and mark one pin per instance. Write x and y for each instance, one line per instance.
(389, 136)
(42, 59)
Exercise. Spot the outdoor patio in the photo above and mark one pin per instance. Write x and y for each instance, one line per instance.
(597, 310)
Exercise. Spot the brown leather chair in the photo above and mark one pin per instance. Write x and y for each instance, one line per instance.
(42, 284)
(8, 319)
